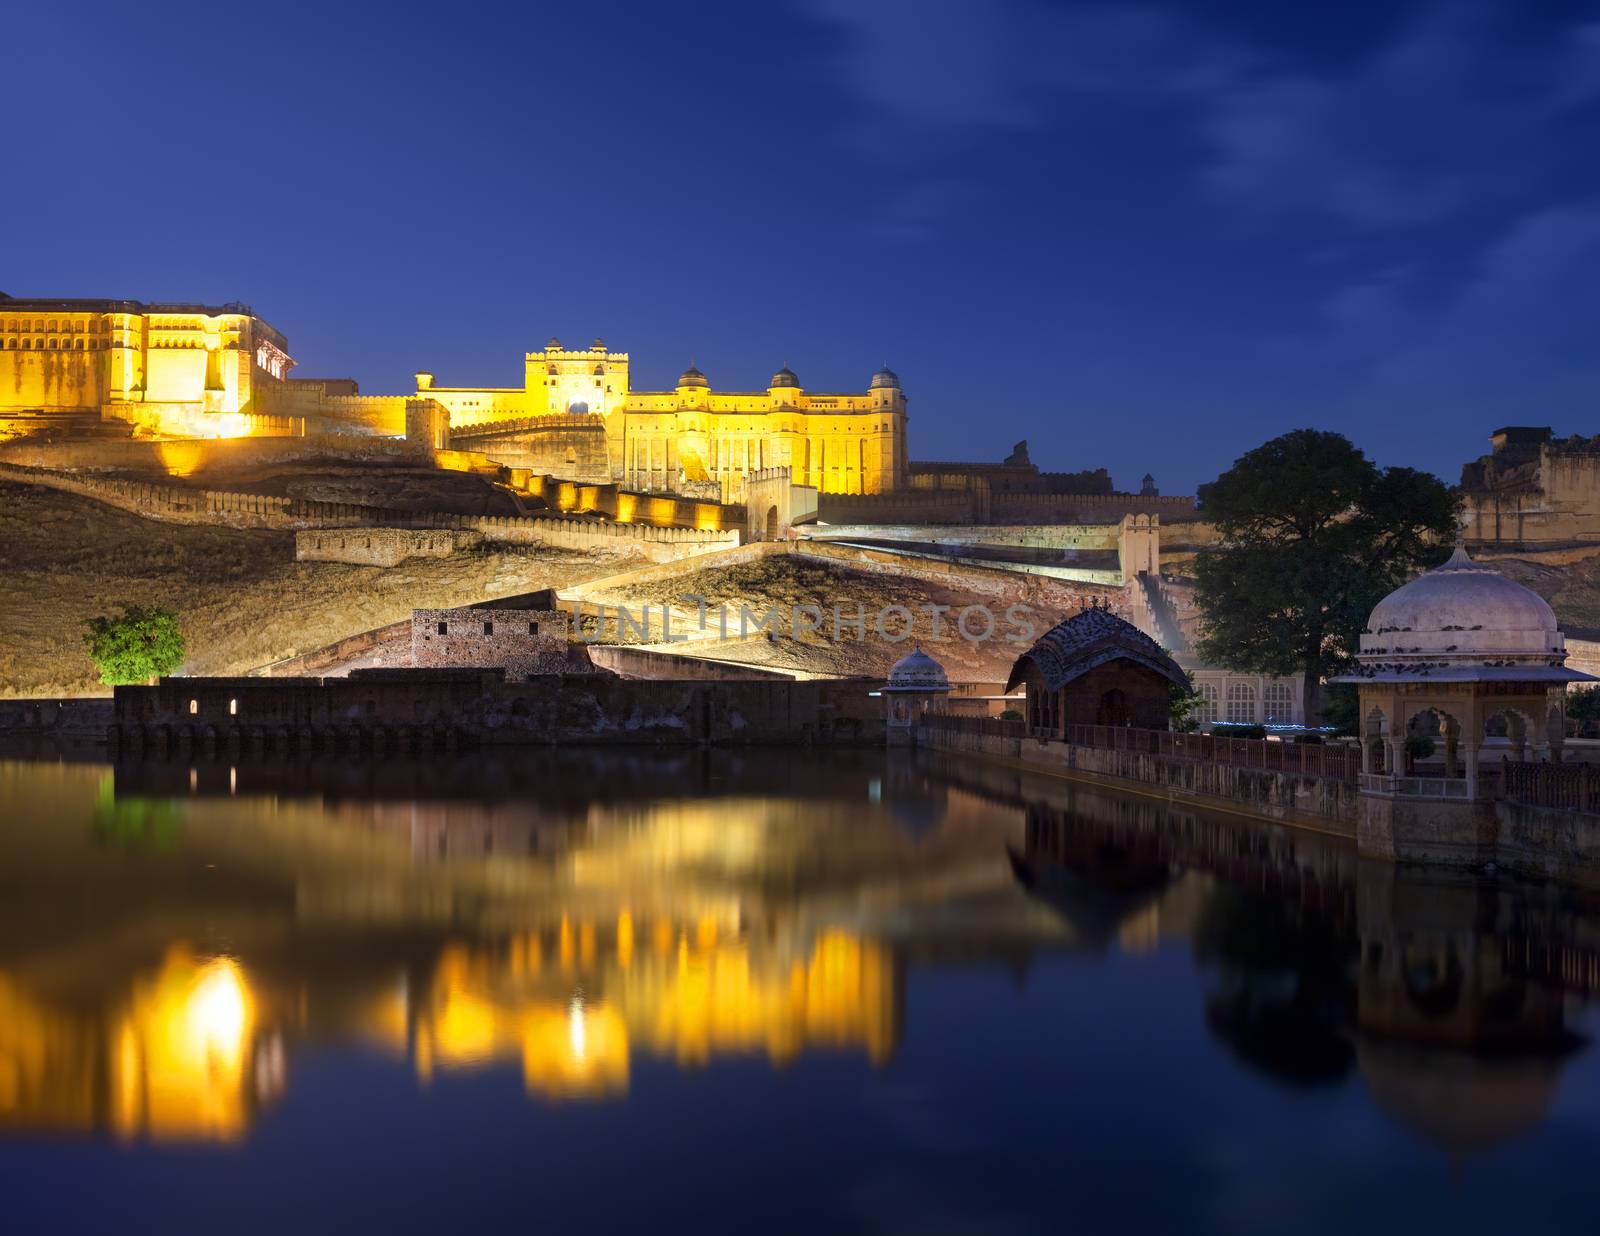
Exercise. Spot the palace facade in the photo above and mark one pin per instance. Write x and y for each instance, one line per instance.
(175, 369)
(203, 371)
(691, 435)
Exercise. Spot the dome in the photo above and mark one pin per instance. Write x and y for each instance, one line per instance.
(784, 377)
(917, 672)
(554, 345)
(885, 377)
(1463, 616)
(692, 377)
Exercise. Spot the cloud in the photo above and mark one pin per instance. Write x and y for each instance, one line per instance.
(1450, 114)
(970, 65)
(1455, 111)
(1513, 342)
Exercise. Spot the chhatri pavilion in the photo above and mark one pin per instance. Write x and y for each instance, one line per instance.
(1468, 645)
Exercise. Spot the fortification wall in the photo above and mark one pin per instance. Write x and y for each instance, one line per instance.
(399, 708)
(380, 546)
(983, 506)
(572, 448)
(188, 456)
(1017, 508)
(244, 510)
(1027, 536)
(657, 666)
(1562, 508)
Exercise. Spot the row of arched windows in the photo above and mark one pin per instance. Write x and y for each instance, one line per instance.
(1239, 706)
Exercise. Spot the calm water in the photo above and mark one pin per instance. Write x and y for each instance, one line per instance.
(730, 993)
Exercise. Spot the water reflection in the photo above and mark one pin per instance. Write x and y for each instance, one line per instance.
(171, 939)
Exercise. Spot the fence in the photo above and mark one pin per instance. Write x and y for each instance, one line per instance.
(1567, 787)
(1338, 761)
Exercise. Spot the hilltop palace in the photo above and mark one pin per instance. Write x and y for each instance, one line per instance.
(187, 371)
(204, 371)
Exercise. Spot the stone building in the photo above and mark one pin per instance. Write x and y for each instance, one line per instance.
(1096, 669)
(524, 635)
(181, 369)
(692, 435)
(1533, 488)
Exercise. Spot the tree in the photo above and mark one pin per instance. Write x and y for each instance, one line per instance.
(1314, 535)
(139, 644)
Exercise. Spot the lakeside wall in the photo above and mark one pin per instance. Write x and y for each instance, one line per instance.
(1327, 803)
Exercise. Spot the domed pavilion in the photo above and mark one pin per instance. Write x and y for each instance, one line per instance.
(915, 681)
(1471, 647)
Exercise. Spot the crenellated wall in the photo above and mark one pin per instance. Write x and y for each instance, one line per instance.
(244, 510)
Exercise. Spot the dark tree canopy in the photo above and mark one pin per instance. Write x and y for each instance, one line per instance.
(1314, 535)
(139, 644)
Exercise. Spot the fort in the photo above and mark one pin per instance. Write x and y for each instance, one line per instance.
(91, 369)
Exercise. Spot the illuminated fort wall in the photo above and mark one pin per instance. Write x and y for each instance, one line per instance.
(221, 372)
(661, 440)
(172, 368)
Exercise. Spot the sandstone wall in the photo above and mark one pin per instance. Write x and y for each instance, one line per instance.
(244, 510)
(400, 707)
(380, 546)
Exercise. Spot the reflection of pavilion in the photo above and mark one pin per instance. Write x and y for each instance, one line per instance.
(1431, 987)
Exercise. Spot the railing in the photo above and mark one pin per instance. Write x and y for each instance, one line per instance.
(1420, 787)
(1337, 761)
(993, 727)
(1567, 787)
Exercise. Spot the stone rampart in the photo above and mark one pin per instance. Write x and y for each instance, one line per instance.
(649, 663)
(380, 546)
(176, 503)
(409, 710)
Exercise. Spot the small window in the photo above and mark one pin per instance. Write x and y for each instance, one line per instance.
(488, 628)
(444, 628)
(194, 708)
(533, 628)
(233, 708)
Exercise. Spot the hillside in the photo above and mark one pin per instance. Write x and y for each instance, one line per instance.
(242, 598)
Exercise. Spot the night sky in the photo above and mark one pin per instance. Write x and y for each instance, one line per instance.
(1144, 236)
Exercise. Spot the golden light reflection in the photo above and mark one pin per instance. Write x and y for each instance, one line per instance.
(182, 1051)
(711, 994)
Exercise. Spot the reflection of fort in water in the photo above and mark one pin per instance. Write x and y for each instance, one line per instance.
(464, 916)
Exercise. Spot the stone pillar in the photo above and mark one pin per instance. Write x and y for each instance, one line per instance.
(1471, 750)
(1397, 755)
(1452, 737)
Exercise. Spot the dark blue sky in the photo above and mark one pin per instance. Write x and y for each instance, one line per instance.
(1144, 236)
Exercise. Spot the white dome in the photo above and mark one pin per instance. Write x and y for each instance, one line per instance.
(1462, 614)
(917, 672)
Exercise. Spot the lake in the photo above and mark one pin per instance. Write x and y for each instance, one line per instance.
(716, 991)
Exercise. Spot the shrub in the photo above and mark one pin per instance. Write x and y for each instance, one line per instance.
(1227, 729)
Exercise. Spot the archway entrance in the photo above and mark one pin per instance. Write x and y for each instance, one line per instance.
(772, 523)
(1113, 709)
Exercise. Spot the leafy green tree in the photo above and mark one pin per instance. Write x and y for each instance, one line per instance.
(1182, 701)
(1314, 535)
(139, 644)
